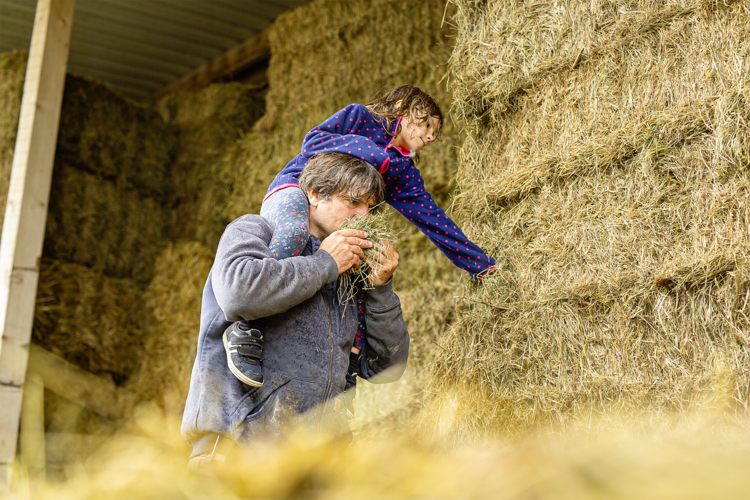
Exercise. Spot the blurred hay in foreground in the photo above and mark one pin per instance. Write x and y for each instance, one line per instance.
(702, 455)
(606, 168)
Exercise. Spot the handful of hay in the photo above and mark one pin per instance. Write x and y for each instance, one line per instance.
(378, 230)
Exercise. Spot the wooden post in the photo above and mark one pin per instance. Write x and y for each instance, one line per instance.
(26, 209)
(32, 426)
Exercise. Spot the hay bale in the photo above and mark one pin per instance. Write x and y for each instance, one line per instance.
(206, 123)
(116, 139)
(171, 321)
(93, 222)
(88, 318)
(12, 75)
(606, 165)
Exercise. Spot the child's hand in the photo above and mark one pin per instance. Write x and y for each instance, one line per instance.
(383, 264)
(345, 247)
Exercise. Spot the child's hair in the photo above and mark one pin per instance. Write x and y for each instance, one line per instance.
(328, 174)
(408, 101)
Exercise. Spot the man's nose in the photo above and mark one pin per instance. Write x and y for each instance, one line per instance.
(361, 211)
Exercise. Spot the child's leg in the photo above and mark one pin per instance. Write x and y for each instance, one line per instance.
(289, 212)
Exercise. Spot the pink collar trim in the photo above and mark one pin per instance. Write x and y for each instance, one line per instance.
(403, 151)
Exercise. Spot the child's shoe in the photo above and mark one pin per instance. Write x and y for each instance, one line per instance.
(244, 347)
(350, 390)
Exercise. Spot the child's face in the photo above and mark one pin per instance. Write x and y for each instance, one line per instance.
(415, 136)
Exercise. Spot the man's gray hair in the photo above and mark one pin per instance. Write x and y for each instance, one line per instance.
(328, 174)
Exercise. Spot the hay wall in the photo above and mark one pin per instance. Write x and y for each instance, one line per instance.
(606, 167)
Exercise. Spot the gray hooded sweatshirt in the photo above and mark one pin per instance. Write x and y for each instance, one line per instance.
(308, 337)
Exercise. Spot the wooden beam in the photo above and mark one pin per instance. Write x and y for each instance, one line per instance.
(32, 426)
(26, 209)
(94, 393)
(253, 50)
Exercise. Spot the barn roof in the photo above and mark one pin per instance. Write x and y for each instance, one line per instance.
(139, 47)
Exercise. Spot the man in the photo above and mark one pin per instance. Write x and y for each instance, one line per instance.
(308, 334)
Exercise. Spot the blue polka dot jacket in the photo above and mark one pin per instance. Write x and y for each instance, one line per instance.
(355, 131)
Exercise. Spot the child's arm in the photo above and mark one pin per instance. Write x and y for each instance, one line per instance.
(351, 131)
(412, 200)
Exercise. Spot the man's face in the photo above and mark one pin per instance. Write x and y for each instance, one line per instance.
(327, 216)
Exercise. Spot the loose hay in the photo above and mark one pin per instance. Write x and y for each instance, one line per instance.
(376, 226)
(613, 187)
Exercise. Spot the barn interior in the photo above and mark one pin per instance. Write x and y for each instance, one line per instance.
(598, 150)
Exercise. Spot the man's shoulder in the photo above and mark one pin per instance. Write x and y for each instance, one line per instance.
(250, 222)
(250, 225)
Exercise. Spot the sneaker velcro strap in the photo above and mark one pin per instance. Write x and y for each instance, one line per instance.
(238, 341)
(250, 353)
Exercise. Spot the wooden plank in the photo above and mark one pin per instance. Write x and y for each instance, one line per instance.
(253, 50)
(95, 393)
(11, 403)
(33, 450)
(26, 208)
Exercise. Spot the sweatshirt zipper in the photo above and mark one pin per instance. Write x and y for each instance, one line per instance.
(330, 366)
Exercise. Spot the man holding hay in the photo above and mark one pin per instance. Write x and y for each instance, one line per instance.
(308, 332)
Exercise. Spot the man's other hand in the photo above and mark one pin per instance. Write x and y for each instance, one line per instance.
(345, 247)
(383, 264)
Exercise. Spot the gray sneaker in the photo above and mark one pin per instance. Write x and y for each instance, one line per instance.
(244, 347)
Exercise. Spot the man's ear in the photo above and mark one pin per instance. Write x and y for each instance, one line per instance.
(312, 197)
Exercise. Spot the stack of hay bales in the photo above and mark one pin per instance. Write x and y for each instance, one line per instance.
(12, 67)
(206, 122)
(105, 222)
(606, 166)
(105, 228)
(329, 54)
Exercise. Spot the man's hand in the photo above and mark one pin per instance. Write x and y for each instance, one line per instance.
(383, 264)
(345, 247)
